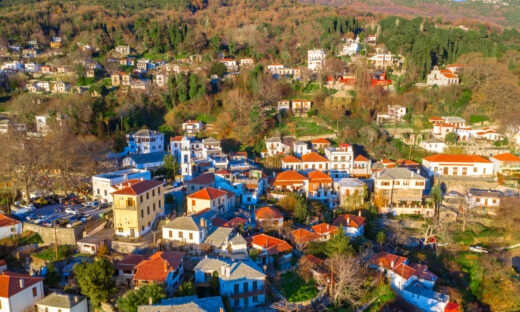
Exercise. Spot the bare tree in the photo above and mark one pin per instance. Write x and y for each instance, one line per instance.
(305, 267)
(348, 274)
(466, 211)
(508, 215)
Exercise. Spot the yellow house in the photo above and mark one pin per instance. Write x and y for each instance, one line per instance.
(136, 205)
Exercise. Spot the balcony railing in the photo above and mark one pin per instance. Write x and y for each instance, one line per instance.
(259, 291)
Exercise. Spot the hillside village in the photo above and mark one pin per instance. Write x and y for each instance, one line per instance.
(227, 180)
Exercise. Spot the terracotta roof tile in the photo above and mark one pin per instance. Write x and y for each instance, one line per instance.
(361, 158)
(236, 221)
(272, 244)
(10, 283)
(206, 179)
(302, 236)
(320, 141)
(138, 188)
(324, 228)
(313, 157)
(384, 260)
(348, 220)
(268, 213)
(506, 157)
(6, 221)
(158, 266)
(208, 193)
(456, 158)
(289, 177)
(291, 159)
(319, 177)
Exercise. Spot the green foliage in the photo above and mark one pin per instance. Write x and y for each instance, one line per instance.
(214, 284)
(187, 288)
(338, 244)
(218, 69)
(52, 277)
(64, 252)
(169, 199)
(95, 280)
(119, 142)
(140, 296)
(451, 138)
(171, 166)
(253, 254)
(381, 237)
(318, 249)
(301, 211)
(25, 238)
(294, 288)
(477, 118)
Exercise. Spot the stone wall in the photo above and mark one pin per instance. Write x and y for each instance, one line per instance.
(64, 236)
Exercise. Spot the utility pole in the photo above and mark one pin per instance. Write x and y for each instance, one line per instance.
(55, 240)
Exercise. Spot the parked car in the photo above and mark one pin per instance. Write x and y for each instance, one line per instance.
(70, 210)
(478, 248)
(91, 204)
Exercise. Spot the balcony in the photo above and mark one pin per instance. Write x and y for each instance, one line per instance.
(259, 291)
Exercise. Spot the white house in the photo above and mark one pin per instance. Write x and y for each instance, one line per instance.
(102, 183)
(242, 281)
(274, 68)
(441, 77)
(458, 165)
(433, 145)
(145, 161)
(350, 47)
(192, 127)
(395, 113)
(488, 133)
(315, 59)
(145, 141)
(506, 164)
(231, 64)
(188, 229)
(9, 226)
(56, 302)
(220, 201)
(19, 292)
(341, 158)
(278, 145)
(352, 225)
(488, 200)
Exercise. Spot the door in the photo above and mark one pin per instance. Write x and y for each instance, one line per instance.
(132, 232)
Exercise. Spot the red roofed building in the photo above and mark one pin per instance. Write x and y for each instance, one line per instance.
(362, 167)
(268, 216)
(126, 267)
(164, 267)
(458, 165)
(19, 292)
(302, 237)
(320, 144)
(136, 206)
(325, 230)
(314, 161)
(290, 180)
(320, 187)
(199, 183)
(220, 201)
(235, 222)
(9, 226)
(506, 164)
(442, 77)
(352, 225)
(291, 162)
(269, 246)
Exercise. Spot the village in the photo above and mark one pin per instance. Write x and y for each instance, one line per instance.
(223, 229)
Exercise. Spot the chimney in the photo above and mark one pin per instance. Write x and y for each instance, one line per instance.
(76, 299)
(22, 283)
(392, 264)
(120, 186)
(150, 300)
(359, 213)
(348, 220)
(142, 179)
(222, 270)
(228, 271)
(202, 222)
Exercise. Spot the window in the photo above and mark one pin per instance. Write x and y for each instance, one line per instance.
(153, 193)
(193, 202)
(147, 195)
(180, 234)
(191, 236)
(171, 233)
(159, 191)
(237, 303)
(35, 292)
(237, 287)
(159, 204)
(255, 299)
(142, 213)
(141, 198)
(142, 228)
(153, 206)
(246, 286)
(98, 191)
(474, 169)
(148, 210)
(246, 302)
(255, 285)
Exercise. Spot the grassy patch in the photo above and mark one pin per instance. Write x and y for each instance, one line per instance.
(64, 252)
(294, 288)
(26, 238)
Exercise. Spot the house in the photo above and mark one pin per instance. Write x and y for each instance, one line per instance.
(350, 47)
(488, 200)
(242, 281)
(220, 201)
(489, 134)
(300, 148)
(271, 249)
(458, 165)
(395, 113)
(372, 39)
(434, 145)
(314, 161)
(123, 49)
(231, 64)
(441, 77)
(192, 127)
(62, 302)
(200, 182)
(302, 237)
(284, 105)
(163, 267)
(247, 62)
(136, 206)
(320, 144)
(340, 158)
(188, 229)
(362, 167)
(290, 181)
(19, 292)
(394, 186)
(145, 161)
(102, 184)
(315, 59)
(325, 230)
(506, 164)
(301, 106)
(268, 216)
(219, 238)
(350, 191)
(90, 244)
(320, 187)
(352, 225)
(319, 271)
(145, 141)
(60, 87)
(278, 145)
(127, 266)
(383, 60)
(140, 84)
(189, 303)
(9, 226)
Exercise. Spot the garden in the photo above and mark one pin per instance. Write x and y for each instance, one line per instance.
(295, 289)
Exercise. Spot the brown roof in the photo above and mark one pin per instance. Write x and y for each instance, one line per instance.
(348, 220)
(302, 236)
(267, 213)
(10, 283)
(6, 221)
(130, 261)
(138, 188)
(206, 178)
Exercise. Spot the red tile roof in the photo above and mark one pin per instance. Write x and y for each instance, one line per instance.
(129, 182)
(138, 188)
(289, 177)
(206, 179)
(130, 261)
(222, 172)
(291, 159)
(176, 138)
(456, 158)
(10, 283)
(320, 141)
(208, 193)
(6, 221)
(404, 271)
(302, 236)
(313, 157)
(158, 266)
(272, 244)
(452, 307)
(268, 213)
(506, 157)
(361, 158)
(312, 258)
(235, 222)
(319, 177)
(324, 228)
(385, 259)
(348, 220)
(218, 221)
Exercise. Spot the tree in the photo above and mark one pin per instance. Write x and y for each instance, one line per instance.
(217, 68)
(508, 215)
(304, 268)
(300, 212)
(214, 284)
(253, 254)
(52, 277)
(171, 166)
(140, 296)
(436, 194)
(349, 275)
(95, 280)
(381, 238)
(451, 138)
(119, 142)
(187, 288)
(338, 244)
